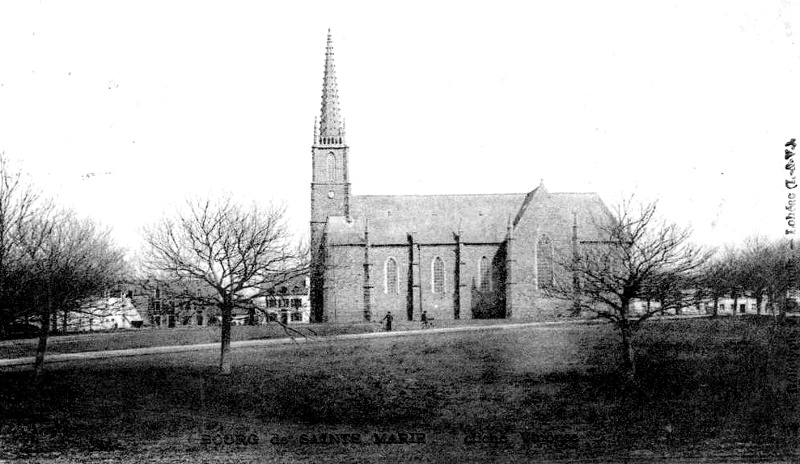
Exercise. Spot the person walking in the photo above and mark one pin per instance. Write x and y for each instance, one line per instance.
(424, 319)
(388, 318)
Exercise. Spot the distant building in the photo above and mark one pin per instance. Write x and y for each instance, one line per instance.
(106, 313)
(168, 304)
(288, 302)
(725, 306)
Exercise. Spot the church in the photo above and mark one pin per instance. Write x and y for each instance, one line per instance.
(453, 256)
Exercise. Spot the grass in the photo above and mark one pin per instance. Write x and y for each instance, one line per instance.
(192, 335)
(150, 337)
(710, 389)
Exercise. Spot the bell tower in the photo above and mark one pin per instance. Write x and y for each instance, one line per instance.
(330, 183)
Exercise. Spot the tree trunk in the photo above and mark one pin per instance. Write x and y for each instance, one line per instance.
(782, 308)
(629, 361)
(251, 316)
(716, 307)
(44, 331)
(759, 298)
(64, 322)
(225, 339)
(735, 305)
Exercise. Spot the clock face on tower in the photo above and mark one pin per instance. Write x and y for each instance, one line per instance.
(330, 194)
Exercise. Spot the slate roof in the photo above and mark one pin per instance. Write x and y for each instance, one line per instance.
(590, 210)
(436, 218)
(432, 218)
(294, 286)
(103, 307)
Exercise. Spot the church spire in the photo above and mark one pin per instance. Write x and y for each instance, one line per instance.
(331, 130)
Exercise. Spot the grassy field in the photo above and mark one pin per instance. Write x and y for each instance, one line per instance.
(191, 335)
(708, 389)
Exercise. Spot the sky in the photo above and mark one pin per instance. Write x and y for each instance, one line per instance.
(121, 110)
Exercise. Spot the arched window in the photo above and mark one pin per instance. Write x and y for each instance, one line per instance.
(437, 275)
(544, 262)
(485, 274)
(390, 277)
(332, 168)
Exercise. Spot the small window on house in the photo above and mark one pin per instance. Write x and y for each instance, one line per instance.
(484, 274)
(390, 277)
(544, 262)
(297, 316)
(297, 302)
(271, 303)
(437, 275)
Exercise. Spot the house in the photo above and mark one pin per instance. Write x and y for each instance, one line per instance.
(288, 302)
(165, 303)
(105, 313)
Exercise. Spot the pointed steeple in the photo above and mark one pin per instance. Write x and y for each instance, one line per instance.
(331, 130)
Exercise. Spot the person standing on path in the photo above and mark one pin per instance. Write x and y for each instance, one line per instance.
(388, 318)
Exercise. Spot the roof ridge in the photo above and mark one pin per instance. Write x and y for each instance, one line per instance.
(527, 201)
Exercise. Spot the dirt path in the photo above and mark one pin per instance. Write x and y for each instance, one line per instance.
(54, 358)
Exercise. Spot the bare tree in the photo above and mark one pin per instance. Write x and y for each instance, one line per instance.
(758, 260)
(782, 278)
(638, 257)
(236, 251)
(713, 282)
(758, 269)
(69, 259)
(20, 204)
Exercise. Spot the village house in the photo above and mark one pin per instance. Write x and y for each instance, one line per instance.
(107, 313)
(288, 302)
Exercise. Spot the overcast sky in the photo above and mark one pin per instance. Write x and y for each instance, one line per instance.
(686, 102)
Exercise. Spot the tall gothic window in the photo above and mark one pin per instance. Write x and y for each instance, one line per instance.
(390, 277)
(544, 262)
(484, 274)
(332, 168)
(437, 275)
